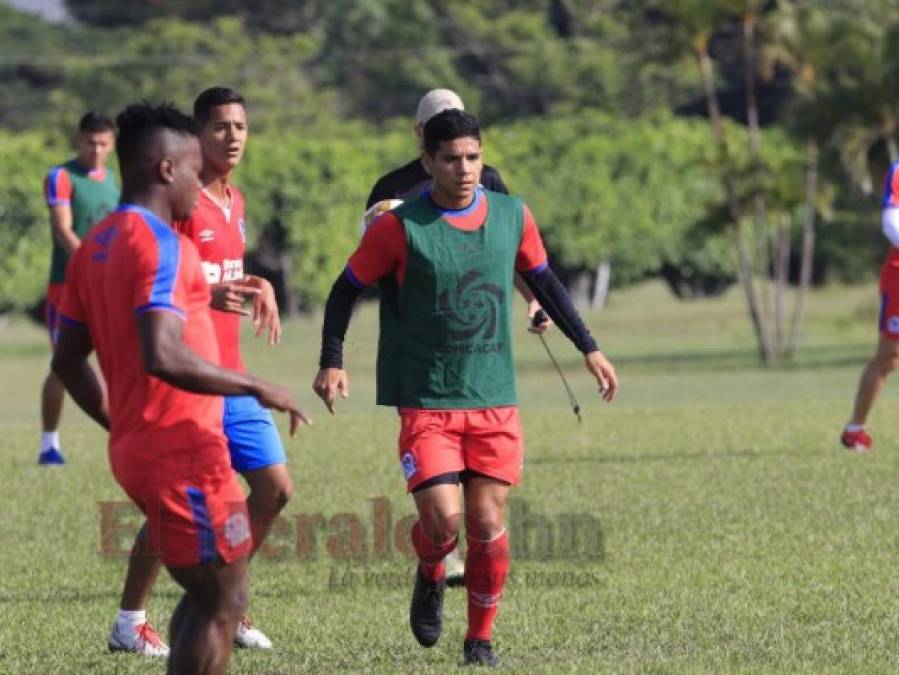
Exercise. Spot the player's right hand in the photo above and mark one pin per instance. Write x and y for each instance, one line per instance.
(328, 383)
(604, 372)
(230, 297)
(279, 398)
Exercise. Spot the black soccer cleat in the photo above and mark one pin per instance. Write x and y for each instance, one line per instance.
(479, 653)
(426, 610)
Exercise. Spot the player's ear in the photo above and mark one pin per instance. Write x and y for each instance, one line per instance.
(427, 162)
(166, 170)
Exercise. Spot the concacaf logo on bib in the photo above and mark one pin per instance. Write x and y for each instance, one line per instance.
(243, 230)
(893, 324)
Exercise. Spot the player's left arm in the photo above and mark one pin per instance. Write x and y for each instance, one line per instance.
(555, 301)
(531, 253)
(265, 308)
(491, 180)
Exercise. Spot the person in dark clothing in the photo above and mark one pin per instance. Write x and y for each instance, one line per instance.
(412, 179)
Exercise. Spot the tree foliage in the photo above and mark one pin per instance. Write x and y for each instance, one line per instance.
(595, 112)
(25, 230)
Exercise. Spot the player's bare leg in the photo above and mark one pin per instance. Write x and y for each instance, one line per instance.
(455, 566)
(52, 397)
(486, 565)
(204, 622)
(131, 631)
(434, 535)
(270, 490)
(884, 362)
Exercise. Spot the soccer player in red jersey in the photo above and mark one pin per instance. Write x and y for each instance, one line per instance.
(446, 260)
(137, 295)
(216, 226)
(78, 194)
(886, 358)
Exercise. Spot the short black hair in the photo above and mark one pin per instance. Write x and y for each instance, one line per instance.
(139, 122)
(93, 122)
(213, 98)
(449, 125)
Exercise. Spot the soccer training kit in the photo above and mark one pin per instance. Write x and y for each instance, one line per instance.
(220, 235)
(90, 195)
(166, 446)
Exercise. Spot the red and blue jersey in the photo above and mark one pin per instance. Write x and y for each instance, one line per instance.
(88, 194)
(220, 236)
(58, 184)
(57, 187)
(131, 263)
(890, 200)
(382, 250)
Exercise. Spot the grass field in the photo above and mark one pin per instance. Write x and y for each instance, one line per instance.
(735, 535)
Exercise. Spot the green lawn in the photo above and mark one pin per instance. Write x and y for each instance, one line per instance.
(721, 529)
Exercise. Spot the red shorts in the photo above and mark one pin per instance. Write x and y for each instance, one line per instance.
(434, 442)
(51, 311)
(888, 321)
(195, 522)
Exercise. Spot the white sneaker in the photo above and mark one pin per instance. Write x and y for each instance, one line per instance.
(142, 640)
(249, 637)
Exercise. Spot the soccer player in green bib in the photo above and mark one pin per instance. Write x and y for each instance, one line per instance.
(447, 259)
(78, 193)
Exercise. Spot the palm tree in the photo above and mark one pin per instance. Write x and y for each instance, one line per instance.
(695, 21)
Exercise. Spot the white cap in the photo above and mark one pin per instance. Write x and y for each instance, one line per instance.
(436, 101)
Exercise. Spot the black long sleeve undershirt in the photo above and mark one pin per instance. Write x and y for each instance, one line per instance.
(544, 284)
(556, 302)
(338, 310)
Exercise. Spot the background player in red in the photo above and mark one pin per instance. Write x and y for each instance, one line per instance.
(447, 259)
(216, 226)
(137, 294)
(78, 194)
(886, 358)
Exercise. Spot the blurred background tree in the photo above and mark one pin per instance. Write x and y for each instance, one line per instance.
(699, 141)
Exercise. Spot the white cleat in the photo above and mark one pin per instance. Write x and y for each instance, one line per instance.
(249, 637)
(142, 640)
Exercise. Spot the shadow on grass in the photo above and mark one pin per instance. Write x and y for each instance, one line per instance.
(713, 360)
(63, 597)
(678, 457)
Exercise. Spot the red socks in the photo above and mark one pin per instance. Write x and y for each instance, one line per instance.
(431, 555)
(486, 566)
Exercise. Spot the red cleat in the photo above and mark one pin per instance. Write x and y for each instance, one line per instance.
(857, 441)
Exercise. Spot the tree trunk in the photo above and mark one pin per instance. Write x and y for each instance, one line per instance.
(744, 266)
(601, 285)
(808, 248)
(781, 273)
(579, 288)
(290, 299)
(889, 135)
(762, 237)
